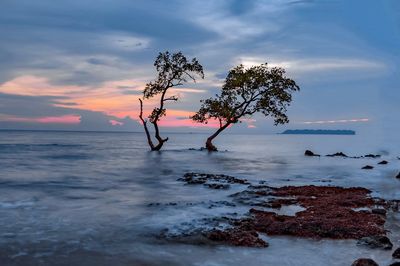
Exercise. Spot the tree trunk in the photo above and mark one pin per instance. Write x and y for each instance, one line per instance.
(146, 130)
(160, 140)
(209, 145)
(159, 145)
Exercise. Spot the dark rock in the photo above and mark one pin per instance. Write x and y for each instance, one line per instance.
(217, 186)
(338, 154)
(257, 187)
(372, 156)
(379, 211)
(364, 262)
(395, 264)
(378, 241)
(396, 254)
(368, 167)
(383, 162)
(398, 175)
(237, 237)
(211, 180)
(310, 153)
(257, 197)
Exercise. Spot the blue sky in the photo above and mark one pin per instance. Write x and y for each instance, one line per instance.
(80, 65)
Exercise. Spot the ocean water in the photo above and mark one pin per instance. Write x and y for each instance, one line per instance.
(87, 198)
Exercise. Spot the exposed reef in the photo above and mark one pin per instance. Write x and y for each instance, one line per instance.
(319, 212)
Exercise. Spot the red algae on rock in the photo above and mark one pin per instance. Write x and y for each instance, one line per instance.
(330, 212)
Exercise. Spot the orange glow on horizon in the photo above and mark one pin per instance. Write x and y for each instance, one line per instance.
(65, 119)
(111, 98)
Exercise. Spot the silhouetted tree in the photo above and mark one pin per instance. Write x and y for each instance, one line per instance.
(258, 89)
(173, 70)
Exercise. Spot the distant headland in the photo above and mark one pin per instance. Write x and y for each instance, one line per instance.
(318, 132)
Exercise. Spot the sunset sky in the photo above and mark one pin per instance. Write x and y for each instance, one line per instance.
(82, 65)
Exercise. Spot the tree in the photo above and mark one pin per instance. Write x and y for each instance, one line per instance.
(172, 71)
(258, 89)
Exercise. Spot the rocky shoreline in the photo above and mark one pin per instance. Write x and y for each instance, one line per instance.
(322, 212)
(328, 212)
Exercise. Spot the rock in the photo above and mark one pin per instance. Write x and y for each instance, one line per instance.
(396, 254)
(217, 186)
(338, 154)
(395, 264)
(364, 262)
(398, 175)
(310, 153)
(379, 211)
(378, 241)
(237, 237)
(326, 212)
(372, 156)
(383, 162)
(329, 212)
(368, 167)
(211, 180)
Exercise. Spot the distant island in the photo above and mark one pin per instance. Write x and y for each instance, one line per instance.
(318, 132)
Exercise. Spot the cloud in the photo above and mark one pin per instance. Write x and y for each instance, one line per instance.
(93, 58)
(122, 42)
(110, 103)
(80, 43)
(186, 90)
(236, 21)
(340, 121)
(43, 110)
(63, 119)
(315, 65)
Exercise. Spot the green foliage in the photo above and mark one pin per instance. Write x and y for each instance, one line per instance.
(156, 114)
(173, 70)
(258, 89)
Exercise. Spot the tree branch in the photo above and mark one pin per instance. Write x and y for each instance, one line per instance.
(145, 125)
(172, 98)
(190, 76)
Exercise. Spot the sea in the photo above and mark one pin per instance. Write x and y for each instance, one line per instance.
(102, 198)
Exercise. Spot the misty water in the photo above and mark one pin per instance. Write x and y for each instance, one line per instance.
(75, 198)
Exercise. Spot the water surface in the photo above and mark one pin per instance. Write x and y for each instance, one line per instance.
(87, 198)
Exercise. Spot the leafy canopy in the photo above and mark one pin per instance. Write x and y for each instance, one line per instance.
(248, 91)
(172, 70)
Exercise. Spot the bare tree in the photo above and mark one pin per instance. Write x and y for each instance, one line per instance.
(258, 89)
(172, 71)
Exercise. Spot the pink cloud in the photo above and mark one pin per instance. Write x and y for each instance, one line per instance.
(65, 119)
(107, 98)
(177, 122)
(116, 123)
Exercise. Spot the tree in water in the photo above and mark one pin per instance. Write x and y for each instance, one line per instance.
(173, 70)
(258, 89)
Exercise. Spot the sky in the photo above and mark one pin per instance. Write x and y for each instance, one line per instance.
(82, 64)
